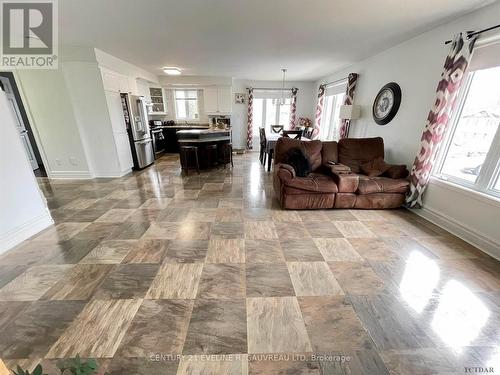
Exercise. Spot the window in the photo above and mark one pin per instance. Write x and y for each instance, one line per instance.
(470, 156)
(330, 122)
(186, 104)
(268, 109)
(330, 127)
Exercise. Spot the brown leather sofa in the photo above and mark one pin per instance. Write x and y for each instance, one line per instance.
(342, 185)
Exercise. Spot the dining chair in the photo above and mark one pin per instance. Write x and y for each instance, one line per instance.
(277, 128)
(263, 146)
(307, 133)
(297, 134)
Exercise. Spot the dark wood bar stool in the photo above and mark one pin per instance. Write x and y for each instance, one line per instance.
(189, 158)
(211, 155)
(226, 154)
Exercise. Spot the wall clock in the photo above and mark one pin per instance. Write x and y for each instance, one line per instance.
(386, 103)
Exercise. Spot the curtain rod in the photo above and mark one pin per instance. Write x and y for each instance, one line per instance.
(470, 34)
(273, 88)
(337, 81)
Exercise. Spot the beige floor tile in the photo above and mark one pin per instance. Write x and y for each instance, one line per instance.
(226, 250)
(275, 325)
(116, 215)
(97, 331)
(313, 279)
(109, 252)
(176, 280)
(337, 249)
(353, 229)
(260, 230)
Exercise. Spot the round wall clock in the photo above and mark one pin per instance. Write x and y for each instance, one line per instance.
(386, 103)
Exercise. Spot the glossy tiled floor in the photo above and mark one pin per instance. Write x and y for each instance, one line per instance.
(154, 272)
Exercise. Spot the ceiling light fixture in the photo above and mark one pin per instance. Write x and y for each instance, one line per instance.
(172, 71)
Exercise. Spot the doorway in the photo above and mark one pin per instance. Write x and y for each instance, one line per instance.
(9, 86)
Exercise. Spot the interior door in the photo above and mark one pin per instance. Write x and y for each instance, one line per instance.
(23, 132)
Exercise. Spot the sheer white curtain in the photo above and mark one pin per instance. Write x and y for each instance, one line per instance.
(330, 123)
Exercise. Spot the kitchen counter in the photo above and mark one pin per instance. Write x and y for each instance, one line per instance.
(201, 135)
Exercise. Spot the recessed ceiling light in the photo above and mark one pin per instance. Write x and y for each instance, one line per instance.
(172, 71)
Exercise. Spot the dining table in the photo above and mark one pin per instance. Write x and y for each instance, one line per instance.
(271, 140)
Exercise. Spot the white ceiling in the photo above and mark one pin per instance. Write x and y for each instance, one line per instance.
(250, 39)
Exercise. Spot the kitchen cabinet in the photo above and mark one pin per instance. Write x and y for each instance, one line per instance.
(217, 100)
(158, 100)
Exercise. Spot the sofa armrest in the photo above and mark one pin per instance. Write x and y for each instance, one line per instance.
(284, 171)
(396, 171)
(346, 183)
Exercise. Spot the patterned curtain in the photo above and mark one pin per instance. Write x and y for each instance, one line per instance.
(250, 119)
(352, 80)
(293, 108)
(319, 111)
(454, 70)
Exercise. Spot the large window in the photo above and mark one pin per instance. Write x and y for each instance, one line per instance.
(186, 104)
(268, 109)
(471, 153)
(330, 122)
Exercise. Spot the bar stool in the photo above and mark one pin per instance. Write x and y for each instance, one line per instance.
(226, 154)
(189, 158)
(211, 154)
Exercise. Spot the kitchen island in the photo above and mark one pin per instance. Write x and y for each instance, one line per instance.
(202, 138)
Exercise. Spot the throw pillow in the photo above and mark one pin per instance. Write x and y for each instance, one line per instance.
(396, 171)
(374, 168)
(296, 158)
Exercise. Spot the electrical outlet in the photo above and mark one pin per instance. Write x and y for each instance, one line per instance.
(73, 161)
(59, 162)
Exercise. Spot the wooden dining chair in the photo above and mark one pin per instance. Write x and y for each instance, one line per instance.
(263, 146)
(277, 128)
(295, 134)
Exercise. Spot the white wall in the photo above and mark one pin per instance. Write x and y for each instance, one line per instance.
(85, 88)
(416, 66)
(23, 209)
(306, 102)
(51, 110)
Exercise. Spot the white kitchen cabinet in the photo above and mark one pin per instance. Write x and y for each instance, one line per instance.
(132, 86)
(217, 100)
(224, 98)
(210, 99)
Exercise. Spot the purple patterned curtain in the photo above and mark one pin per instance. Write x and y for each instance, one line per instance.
(352, 81)
(250, 119)
(293, 108)
(319, 111)
(454, 70)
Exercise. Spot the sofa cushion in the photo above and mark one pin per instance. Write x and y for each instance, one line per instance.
(314, 182)
(371, 185)
(356, 151)
(375, 167)
(312, 149)
(396, 171)
(329, 152)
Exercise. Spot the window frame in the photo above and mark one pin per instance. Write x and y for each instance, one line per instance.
(324, 125)
(186, 100)
(277, 108)
(490, 171)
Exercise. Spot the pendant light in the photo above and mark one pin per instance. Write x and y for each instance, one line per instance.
(283, 88)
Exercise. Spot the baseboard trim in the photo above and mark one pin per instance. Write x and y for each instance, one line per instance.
(24, 231)
(114, 174)
(70, 175)
(466, 233)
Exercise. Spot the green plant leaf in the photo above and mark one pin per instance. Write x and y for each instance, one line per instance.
(38, 370)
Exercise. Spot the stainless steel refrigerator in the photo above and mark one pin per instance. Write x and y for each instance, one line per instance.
(136, 117)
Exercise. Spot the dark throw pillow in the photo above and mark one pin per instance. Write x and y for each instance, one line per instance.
(374, 168)
(300, 163)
